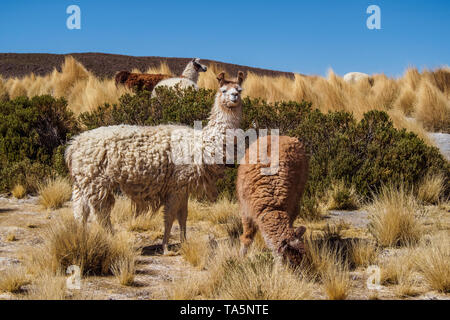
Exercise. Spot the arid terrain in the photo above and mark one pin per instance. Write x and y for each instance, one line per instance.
(165, 277)
(401, 227)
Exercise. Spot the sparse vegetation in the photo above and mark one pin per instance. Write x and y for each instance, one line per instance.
(53, 193)
(433, 260)
(341, 197)
(13, 279)
(19, 191)
(394, 218)
(431, 188)
(67, 242)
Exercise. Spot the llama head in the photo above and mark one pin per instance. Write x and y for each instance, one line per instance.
(293, 249)
(198, 66)
(121, 77)
(230, 90)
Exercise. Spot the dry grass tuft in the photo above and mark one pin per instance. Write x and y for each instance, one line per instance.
(54, 193)
(67, 242)
(393, 218)
(431, 188)
(123, 214)
(260, 279)
(363, 254)
(83, 91)
(11, 236)
(19, 191)
(163, 68)
(48, 286)
(433, 261)
(124, 269)
(208, 79)
(342, 197)
(336, 282)
(227, 275)
(13, 279)
(433, 108)
(196, 252)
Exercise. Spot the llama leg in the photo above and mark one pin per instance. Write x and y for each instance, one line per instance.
(248, 235)
(80, 206)
(182, 216)
(140, 206)
(169, 213)
(102, 209)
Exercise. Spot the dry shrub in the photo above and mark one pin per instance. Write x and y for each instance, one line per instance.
(431, 188)
(393, 217)
(433, 108)
(19, 191)
(53, 193)
(13, 279)
(67, 242)
(433, 261)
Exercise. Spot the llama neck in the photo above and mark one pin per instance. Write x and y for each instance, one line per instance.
(203, 177)
(220, 120)
(190, 73)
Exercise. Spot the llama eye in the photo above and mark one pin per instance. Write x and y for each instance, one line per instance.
(239, 89)
(223, 90)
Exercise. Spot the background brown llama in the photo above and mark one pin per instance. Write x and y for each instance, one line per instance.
(140, 81)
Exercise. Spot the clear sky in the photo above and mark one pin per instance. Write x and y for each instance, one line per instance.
(301, 36)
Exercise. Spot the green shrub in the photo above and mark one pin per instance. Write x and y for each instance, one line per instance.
(365, 154)
(32, 132)
(169, 106)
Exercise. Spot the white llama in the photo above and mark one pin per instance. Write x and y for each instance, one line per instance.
(188, 78)
(147, 163)
(353, 77)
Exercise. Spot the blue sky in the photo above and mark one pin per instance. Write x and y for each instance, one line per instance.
(300, 36)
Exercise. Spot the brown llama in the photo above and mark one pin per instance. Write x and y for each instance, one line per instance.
(140, 81)
(270, 203)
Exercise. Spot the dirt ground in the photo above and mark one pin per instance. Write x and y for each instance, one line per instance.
(156, 273)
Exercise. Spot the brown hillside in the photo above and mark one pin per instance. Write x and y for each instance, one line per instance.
(105, 65)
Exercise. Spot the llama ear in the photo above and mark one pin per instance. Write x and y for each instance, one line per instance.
(221, 77)
(240, 77)
(299, 232)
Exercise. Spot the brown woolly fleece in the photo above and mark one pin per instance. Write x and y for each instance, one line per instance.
(141, 81)
(270, 203)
